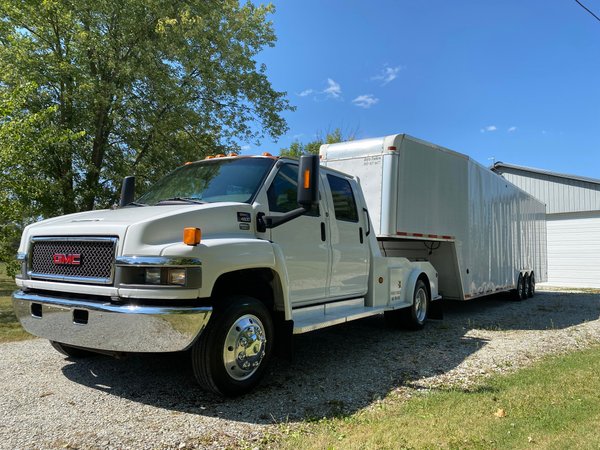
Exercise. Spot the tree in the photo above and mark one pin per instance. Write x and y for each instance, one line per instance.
(297, 149)
(92, 90)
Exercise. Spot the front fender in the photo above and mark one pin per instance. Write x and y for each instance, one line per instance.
(223, 255)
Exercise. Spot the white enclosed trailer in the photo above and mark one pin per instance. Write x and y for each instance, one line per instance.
(481, 233)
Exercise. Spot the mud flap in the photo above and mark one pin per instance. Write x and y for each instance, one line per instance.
(436, 310)
(284, 337)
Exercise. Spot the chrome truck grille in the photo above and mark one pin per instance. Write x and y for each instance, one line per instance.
(73, 259)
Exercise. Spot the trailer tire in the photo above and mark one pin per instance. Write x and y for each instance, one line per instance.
(220, 356)
(517, 294)
(531, 290)
(526, 286)
(415, 316)
(70, 352)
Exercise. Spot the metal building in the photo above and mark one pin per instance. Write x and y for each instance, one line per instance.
(573, 222)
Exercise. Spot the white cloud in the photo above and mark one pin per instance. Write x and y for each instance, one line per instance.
(365, 101)
(512, 129)
(245, 147)
(387, 75)
(306, 92)
(489, 128)
(333, 90)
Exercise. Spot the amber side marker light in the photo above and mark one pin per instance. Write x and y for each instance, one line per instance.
(306, 179)
(192, 236)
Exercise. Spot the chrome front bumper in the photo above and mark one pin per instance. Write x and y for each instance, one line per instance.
(105, 326)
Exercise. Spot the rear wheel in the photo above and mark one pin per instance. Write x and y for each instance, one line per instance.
(71, 352)
(415, 316)
(231, 355)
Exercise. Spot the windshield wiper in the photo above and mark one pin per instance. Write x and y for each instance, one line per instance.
(183, 199)
(136, 204)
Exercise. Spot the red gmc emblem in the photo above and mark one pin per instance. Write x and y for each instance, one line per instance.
(62, 259)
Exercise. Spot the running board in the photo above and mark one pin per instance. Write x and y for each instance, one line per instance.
(329, 314)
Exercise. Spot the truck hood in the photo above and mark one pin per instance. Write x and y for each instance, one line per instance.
(144, 230)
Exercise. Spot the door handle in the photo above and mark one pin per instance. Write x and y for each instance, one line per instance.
(368, 222)
(323, 237)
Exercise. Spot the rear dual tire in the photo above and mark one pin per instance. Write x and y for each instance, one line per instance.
(415, 316)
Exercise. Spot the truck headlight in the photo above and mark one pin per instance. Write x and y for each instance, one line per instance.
(152, 275)
(163, 275)
(176, 276)
(154, 271)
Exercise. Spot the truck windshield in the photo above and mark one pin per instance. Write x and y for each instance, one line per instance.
(213, 180)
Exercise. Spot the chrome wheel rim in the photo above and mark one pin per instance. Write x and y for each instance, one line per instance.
(421, 305)
(245, 347)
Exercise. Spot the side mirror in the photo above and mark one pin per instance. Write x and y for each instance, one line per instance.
(308, 181)
(127, 191)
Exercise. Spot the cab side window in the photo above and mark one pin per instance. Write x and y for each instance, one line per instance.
(344, 204)
(282, 194)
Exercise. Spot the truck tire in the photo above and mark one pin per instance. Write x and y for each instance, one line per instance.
(71, 352)
(231, 355)
(531, 290)
(415, 316)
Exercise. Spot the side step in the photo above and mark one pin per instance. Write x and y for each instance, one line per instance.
(322, 316)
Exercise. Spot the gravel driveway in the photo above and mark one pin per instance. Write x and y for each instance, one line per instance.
(151, 401)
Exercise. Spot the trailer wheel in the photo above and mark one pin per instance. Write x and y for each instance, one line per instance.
(71, 352)
(231, 355)
(415, 316)
(531, 290)
(521, 292)
(526, 286)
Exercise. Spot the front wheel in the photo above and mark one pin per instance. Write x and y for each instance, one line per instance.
(231, 355)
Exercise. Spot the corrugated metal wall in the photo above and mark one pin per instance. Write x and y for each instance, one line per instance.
(561, 195)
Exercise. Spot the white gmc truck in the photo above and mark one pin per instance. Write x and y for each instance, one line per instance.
(229, 257)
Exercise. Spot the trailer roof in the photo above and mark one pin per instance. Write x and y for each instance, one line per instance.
(500, 165)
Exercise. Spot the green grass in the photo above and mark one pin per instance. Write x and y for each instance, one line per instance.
(10, 329)
(554, 404)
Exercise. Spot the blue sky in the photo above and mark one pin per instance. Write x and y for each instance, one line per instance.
(518, 81)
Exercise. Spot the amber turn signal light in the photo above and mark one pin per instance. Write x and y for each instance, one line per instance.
(192, 236)
(306, 179)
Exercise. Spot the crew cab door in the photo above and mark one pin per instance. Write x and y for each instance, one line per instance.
(350, 251)
(304, 240)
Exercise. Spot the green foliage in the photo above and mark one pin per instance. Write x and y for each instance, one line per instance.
(10, 328)
(94, 90)
(297, 149)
